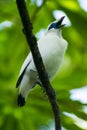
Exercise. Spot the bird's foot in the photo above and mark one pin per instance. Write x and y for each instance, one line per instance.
(44, 93)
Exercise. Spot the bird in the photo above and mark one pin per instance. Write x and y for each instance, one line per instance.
(52, 47)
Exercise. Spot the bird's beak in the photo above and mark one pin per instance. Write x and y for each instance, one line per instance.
(59, 22)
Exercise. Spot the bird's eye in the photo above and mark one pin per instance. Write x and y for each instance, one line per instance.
(53, 25)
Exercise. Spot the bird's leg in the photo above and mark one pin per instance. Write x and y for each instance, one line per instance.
(39, 83)
(43, 90)
(42, 87)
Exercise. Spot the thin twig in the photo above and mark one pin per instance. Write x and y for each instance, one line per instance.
(38, 60)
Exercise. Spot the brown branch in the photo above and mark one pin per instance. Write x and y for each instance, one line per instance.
(38, 60)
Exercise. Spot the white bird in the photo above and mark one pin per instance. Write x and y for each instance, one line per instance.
(52, 47)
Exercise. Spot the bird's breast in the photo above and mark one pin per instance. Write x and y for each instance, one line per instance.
(52, 50)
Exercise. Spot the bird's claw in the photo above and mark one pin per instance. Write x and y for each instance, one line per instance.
(44, 93)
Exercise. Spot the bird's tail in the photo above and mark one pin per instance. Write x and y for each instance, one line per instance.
(20, 100)
(25, 87)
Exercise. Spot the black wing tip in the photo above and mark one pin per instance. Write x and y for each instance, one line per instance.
(21, 75)
(21, 100)
(17, 84)
(18, 81)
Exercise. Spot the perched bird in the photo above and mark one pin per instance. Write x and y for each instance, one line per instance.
(52, 47)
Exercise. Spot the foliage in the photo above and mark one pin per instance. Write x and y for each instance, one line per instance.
(13, 50)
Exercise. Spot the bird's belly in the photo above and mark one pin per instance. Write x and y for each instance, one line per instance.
(52, 65)
(52, 57)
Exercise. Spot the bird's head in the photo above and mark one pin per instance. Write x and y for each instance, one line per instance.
(57, 25)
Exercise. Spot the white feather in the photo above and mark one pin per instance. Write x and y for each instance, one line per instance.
(52, 48)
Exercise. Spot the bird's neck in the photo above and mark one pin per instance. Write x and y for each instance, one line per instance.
(54, 32)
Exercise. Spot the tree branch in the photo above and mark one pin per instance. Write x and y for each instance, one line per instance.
(38, 60)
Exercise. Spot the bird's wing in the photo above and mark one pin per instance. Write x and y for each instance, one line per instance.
(21, 75)
(23, 69)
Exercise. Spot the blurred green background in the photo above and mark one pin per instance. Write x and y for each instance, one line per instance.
(37, 113)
